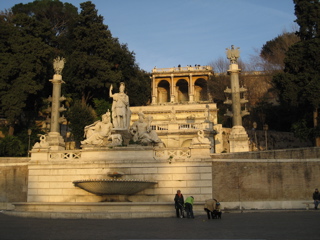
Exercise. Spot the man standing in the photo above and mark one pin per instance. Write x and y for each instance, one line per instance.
(178, 202)
(316, 198)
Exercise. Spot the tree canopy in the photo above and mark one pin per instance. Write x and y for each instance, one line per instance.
(33, 34)
(299, 85)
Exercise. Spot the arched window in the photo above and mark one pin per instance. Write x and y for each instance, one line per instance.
(200, 90)
(182, 90)
(163, 91)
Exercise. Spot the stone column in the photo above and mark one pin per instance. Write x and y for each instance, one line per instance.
(172, 96)
(239, 140)
(191, 89)
(54, 138)
(154, 91)
(235, 94)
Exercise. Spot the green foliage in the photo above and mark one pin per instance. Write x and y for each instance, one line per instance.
(33, 34)
(308, 19)
(90, 56)
(301, 130)
(274, 51)
(139, 88)
(299, 85)
(23, 61)
(11, 146)
(101, 106)
(79, 116)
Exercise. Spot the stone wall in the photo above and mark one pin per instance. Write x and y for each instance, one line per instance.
(263, 180)
(273, 177)
(13, 180)
(51, 175)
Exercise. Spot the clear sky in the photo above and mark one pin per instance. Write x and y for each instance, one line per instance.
(166, 33)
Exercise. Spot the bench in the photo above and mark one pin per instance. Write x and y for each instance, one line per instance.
(307, 204)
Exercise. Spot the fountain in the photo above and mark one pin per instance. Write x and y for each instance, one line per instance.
(113, 186)
(90, 182)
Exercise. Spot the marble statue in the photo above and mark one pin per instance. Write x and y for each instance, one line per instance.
(121, 113)
(200, 139)
(233, 54)
(97, 132)
(58, 65)
(142, 132)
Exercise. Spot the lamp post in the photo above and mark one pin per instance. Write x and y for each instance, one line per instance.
(255, 125)
(265, 128)
(29, 134)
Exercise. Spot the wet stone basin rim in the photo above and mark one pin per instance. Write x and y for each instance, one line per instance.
(113, 186)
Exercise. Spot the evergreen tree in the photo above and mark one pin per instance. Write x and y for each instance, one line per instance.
(23, 61)
(30, 37)
(95, 60)
(299, 85)
(90, 56)
(79, 116)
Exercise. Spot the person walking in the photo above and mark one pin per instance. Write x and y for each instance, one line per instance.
(316, 198)
(189, 206)
(178, 203)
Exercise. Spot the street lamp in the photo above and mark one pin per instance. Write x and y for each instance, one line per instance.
(265, 128)
(29, 134)
(255, 125)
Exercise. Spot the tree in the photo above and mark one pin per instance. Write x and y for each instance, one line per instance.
(23, 68)
(307, 13)
(90, 56)
(29, 41)
(11, 146)
(274, 51)
(299, 85)
(95, 60)
(79, 116)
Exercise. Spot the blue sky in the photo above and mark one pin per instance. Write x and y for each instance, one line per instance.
(166, 33)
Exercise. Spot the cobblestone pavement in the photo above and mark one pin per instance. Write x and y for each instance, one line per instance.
(254, 225)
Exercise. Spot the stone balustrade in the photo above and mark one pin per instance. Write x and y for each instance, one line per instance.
(178, 69)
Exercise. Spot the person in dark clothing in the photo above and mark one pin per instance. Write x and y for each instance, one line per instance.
(316, 198)
(178, 203)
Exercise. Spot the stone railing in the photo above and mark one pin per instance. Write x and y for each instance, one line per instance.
(190, 126)
(184, 126)
(70, 155)
(160, 127)
(172, 153)
(178, 69)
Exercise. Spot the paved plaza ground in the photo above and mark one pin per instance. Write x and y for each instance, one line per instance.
(253, 225)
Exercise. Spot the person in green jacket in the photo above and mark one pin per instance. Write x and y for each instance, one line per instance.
(189, 206)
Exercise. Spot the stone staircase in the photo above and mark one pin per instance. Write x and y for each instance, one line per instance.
(101, 210)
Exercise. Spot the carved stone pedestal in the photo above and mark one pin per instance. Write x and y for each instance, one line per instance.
(200, 150)
(126, 136)
(239, 140)
(55, 141)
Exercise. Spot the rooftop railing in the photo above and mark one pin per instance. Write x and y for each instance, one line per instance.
(182, 69)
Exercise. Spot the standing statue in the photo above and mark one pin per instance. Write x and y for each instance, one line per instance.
(121, 113)
(58, 65)
(142, 131)
(97, 132)
(233, 54)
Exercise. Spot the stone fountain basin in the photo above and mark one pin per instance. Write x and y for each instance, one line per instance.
(113, 186)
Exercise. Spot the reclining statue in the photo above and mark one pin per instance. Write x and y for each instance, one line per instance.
(97, 132)
(142, 132)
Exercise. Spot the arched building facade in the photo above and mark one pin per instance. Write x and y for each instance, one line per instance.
(181, 84)
(181, 107)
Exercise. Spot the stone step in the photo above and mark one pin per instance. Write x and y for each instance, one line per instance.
(110, 210)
